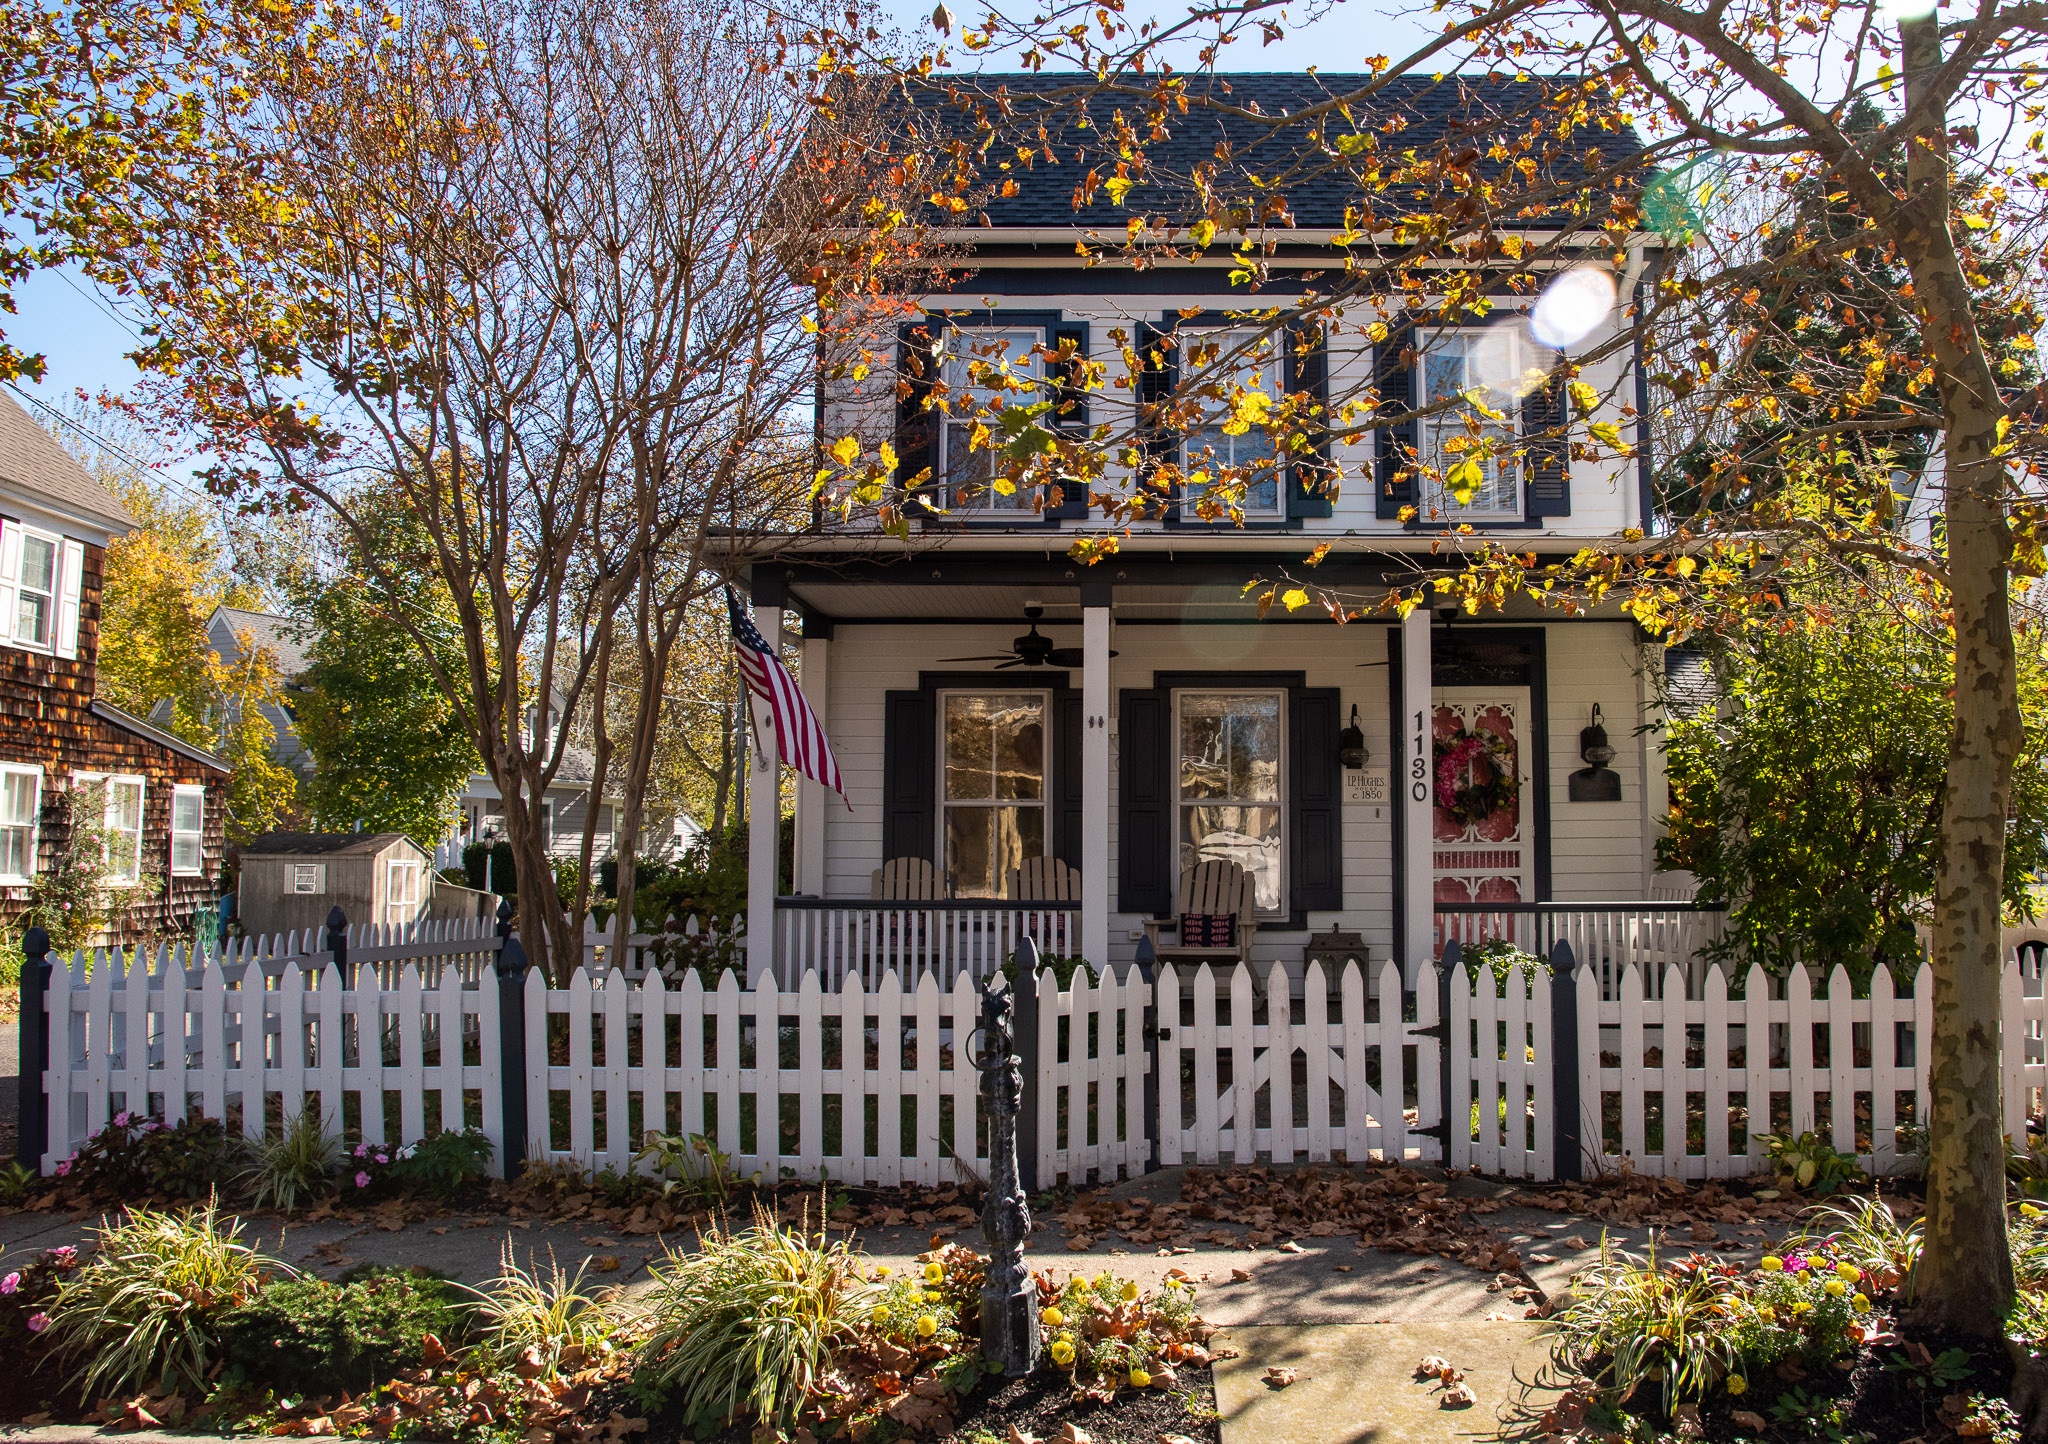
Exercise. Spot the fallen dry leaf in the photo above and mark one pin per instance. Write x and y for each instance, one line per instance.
(604, 1263)
(1072, 1433)
(1278, 1377)
(1240, 1276)
(1686, 1420)
(1433, 1367)
(1748, 1419)
(1018, 1436)
(1458, 1396)
(1290, 1247)
(1340, 1268)
(1574, 1241)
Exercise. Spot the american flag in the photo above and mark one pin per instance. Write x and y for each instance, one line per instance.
(798, 736)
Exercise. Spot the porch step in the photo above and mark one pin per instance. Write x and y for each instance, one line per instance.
(1356, 1382)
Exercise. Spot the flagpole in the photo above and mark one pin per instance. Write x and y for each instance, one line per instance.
(764, 813)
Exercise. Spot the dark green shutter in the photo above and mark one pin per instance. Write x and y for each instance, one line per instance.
(1316, 808)
(1158, 444)
(1550, 485)
(909, 777)
(917, 429)
(1393, 376)
(1145, 850)
(1308, 369)
(1069, 818)
(1070, 415)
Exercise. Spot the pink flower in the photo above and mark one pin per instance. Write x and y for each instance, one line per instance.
(362, 1180)
(121, 1119)
(362, 1150)
(10, 1284)
(64, 1168)
(64, 1257)
(383, 1158)
(38, 1322)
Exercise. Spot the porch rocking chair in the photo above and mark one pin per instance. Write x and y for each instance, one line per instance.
(909, 941)
(1043, 879)
(1213, 886)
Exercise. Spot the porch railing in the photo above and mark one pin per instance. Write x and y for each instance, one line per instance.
(841, 938)
(1608, 936)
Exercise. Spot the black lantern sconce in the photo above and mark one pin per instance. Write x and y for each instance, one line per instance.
(1596, 781)
(1351, 744)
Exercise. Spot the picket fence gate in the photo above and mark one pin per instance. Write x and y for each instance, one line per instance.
(1528, 1073)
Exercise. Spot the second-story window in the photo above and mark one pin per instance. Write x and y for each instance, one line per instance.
(985, 368)
(1469, 444)
(37, 601)
(1230, 460)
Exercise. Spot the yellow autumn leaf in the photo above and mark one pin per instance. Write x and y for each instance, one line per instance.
(1377, 331)
(1605, 432)
(846, 451)
(887, 457)
(1584, 396)
(1465, 479)
(1975, 222)
(1118, 187)
(1204, 232)
(1294, 599)
(1252, 408)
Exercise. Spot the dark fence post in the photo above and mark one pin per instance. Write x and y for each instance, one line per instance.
(1025, 1026)
(1147, 966)
(31, 1107)
(1451, 963)
(1567, 1142)
(337, 944)
(512, 968)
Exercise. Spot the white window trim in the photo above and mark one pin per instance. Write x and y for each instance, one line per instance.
(1045, 782)
(1435, 499)
(35, 827)
(1023, 360)
(1228, 338)
(315, 872)
(141, 814)
(178, 791)
(1282, 803)
(410, 867)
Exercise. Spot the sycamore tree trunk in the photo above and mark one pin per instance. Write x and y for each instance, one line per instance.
(1964, 1280)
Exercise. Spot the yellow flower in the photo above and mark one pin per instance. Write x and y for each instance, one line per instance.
(1801, 1306)
(1737, 1385)
(880, 1315)
(1861, 1304)
(1848, 1272)
(934, 1273)
(1130, 1293)
(1835, 1288)
(1062, 1351)
(1770, 1263)
(881, 1271)
(1052, 1318)
(927, 1325)
(2031, 1210)
(1139, 1378)
(1767, 1314)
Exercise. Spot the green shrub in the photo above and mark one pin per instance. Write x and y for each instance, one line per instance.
(306, 1336)
(746, 1325)
(137, 1156)
(489, 866)
(294, 1163)
(692, 1165)
(441, 1163)
(1864, 1232)
(147, 1309)
(1060, 965)
(1810, 1162)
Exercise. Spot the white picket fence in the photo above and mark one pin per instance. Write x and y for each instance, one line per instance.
(876, 1085)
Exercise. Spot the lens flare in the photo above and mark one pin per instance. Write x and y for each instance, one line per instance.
(1573, 307)
(1507, 360)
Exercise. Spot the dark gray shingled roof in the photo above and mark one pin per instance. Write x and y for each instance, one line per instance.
(1689, 682)
(285, 638)
(322, 844)
(1452, 111)
(33, 462)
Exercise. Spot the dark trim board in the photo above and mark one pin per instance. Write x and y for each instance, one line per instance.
(953, 566)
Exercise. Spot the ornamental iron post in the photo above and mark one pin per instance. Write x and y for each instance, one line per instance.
(511, 969)
(1009, 1298)
(1568, 1127)
(33, 1109)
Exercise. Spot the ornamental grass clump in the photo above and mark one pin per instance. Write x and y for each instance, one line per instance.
(543, 1323)
(747, 1325)
(146, 1310)
(295, 1163)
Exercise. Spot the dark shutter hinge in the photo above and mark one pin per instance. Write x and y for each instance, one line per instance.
(1439, 1031)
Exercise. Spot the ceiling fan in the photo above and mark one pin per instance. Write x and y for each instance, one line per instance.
(1033, 649)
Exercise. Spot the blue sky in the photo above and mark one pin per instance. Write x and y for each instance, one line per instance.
(65, 318)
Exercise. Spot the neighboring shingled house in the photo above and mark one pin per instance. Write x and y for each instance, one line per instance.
(226, 632)
(166, 800)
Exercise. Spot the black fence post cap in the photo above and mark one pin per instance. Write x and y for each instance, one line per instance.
(35, 942)
(337, 920)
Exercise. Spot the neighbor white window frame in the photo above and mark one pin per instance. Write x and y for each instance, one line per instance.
(194, 835)
(414, 872)
(1502, 497)
(1272, 380)
(306, 879)
(965, 401)
(1043, 802)
(1280, 802)
(114, 782)
(19, 835)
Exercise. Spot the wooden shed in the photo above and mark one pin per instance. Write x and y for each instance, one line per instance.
(292, 880)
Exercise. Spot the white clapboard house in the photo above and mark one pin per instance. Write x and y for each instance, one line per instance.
(1097, 753)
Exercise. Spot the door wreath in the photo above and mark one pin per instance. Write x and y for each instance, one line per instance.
(1475, 800)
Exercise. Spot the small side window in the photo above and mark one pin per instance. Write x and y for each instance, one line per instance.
(188, 831)
(307, 877)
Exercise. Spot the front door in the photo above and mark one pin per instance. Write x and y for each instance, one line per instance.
(1480, 817)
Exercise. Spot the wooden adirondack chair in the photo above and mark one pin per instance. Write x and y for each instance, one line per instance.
(1043, 879)
(1214, 886)
(906, 879)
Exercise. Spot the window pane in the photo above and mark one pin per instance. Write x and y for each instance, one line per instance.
(17, 851)
(33, 624)
(18, 799)
(187, 812)
(185, 852)
(995, 747)
(1247, 836)
(984, 843)
(38, 563)
(1230, 747)
(124, 806)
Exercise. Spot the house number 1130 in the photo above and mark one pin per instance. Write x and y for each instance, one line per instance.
(1418, 762)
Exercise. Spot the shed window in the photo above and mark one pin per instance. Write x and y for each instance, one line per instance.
(402, 889)
(307, 877)
(122, 820)
(188, 830)
(21, 800)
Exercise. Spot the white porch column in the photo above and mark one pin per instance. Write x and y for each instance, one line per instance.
(764, 814)
(812, 799)
(1095, 779)
(1418, 861)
